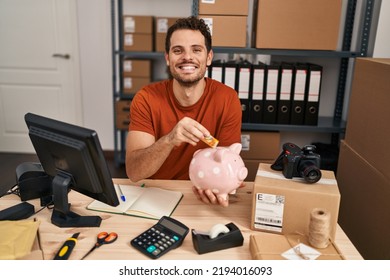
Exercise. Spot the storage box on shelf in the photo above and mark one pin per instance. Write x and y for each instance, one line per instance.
(137, 33)
(224, 7)
(136, 67)
(136, 74)
(227, 21)
(122, 109)
(303, 24)
(227, 31)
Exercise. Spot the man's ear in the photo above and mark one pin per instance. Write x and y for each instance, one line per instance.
(166, 58)
(210, 56)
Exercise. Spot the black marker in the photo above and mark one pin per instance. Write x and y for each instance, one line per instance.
(67, 247)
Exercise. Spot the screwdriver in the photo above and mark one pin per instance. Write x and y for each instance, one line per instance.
(66, 248)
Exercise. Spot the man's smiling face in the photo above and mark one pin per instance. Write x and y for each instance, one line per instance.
(188, 58)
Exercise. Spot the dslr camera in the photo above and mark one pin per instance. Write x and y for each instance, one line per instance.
(297, 162)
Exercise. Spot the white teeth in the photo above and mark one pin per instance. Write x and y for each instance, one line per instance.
(188, 67)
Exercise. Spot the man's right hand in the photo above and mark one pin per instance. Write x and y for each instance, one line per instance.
(187, 130)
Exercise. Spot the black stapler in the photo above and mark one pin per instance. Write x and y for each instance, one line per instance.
(220, 237)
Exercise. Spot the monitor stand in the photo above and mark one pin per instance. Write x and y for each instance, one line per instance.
(62, 216)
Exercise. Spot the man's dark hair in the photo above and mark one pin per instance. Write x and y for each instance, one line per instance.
(192, 23)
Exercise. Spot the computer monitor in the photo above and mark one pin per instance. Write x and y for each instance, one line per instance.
(73, 156)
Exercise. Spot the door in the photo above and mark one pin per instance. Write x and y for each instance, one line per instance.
(39, 67)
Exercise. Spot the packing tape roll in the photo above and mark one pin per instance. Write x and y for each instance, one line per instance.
(319, 228)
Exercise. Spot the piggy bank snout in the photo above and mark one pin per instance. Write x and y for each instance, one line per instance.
(242, 173)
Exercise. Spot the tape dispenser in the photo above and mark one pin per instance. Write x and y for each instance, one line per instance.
(219, 237)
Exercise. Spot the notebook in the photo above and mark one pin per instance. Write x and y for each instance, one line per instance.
(145, 202)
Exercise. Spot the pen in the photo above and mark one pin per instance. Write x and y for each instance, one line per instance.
(121, 193)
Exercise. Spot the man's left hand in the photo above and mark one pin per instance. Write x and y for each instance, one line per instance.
(208, 197)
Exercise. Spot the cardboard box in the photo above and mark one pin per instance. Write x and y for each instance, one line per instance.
(269, 246)
(364, 209)
(161, 27)
(122, 109)
(136, 68)
(134, 84)
(260, 145)
(122, 121)
(138, 42)
(368, 129)
(299, 24)
(227, 31)
(282, 205)
(122, 106)
(224, 7)
(138, 24)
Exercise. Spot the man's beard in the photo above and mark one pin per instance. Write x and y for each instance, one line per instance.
(185, 82)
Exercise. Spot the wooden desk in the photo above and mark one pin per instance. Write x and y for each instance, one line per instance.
(190, 211)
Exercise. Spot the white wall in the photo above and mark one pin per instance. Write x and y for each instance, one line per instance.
(96, 68)
(94, 19)
(382, 41)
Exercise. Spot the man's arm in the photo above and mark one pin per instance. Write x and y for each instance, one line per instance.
(144, 155)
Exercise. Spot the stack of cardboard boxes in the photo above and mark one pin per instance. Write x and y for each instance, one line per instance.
(281, 212)
(122, 118)
(137, 33)
(227, 21)
(363, 170)
(137, 36)
(136, 74)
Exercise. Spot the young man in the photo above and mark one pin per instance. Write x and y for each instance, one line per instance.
(169, 118)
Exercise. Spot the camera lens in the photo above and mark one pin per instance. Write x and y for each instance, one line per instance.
(310, 173)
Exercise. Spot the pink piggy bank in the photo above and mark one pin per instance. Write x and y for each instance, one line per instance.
(221, 169)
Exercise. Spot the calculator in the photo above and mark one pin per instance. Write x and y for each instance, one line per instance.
(165, 235)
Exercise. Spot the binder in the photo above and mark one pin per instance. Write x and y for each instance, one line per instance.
(243, 80)
(270, 99)
(230, 74)
(257, 85)
(313, 94)
(284, 93)
(216, 70)
(298, 93)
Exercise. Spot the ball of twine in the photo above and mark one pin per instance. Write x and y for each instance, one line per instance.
(319, 228)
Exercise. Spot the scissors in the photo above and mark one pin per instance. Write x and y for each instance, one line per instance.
(103, 238)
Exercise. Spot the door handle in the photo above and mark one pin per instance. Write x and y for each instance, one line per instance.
(64, 56)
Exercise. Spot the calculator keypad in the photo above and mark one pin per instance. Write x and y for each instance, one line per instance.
(155, 241)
